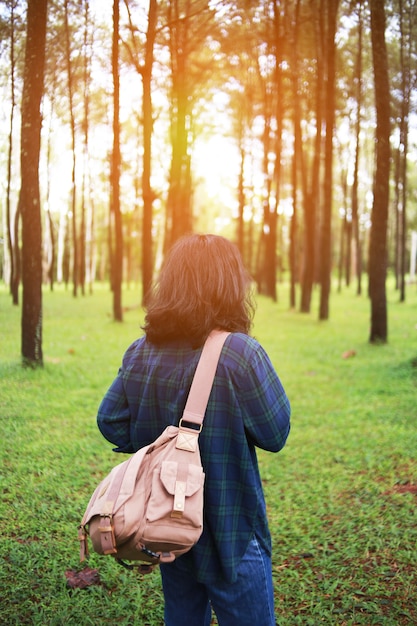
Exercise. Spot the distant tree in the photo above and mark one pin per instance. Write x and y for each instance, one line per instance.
(117, 257)
(270, 59)
(145, 70)
(29, 198)
(326, 251)
(85, 191)
(179, 211)
(240, 64)
(355, 184)
(190, 28)
(311, 179)
(148, 194)
(71, 88)
(406, 78)
(12, 225)
(49, 239)
(378, 242)
(297, 156)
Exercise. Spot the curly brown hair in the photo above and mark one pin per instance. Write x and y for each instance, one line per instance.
(202, 285)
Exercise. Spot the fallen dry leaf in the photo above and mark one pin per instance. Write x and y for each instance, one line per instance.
(85, 578)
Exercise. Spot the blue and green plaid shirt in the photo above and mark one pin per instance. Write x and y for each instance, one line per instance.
(248, 407)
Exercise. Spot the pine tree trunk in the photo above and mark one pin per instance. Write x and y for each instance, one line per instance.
(378, 243)
(29, 198)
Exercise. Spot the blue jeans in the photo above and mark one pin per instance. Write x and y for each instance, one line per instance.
(247, 602)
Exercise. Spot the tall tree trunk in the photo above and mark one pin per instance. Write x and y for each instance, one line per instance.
(266, 271)
(378, 243)
(406, 46)
(147, 192)
(29, 198)
(311, 196)
(345, 263)
(49, 243)
(117, 269)
(396, 158)
(326, 252)
(179, 212)
(296, 164)
(403, 221)
(72, 124)
(12, 242)
(240, 231)
(355, 185)
(85, 196)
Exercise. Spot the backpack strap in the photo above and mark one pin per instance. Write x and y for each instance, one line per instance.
(199, 394)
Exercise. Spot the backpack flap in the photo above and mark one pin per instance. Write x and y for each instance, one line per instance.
(182, 481)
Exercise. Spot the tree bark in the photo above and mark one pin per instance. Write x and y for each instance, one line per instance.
(29, 198)
(378, 242)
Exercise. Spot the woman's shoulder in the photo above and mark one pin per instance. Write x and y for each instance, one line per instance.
(242, 350)
(135, 350)
(240, 342)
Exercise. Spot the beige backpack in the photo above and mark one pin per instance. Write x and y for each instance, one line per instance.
(150, 507)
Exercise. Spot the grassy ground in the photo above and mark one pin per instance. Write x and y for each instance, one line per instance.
(342, 495)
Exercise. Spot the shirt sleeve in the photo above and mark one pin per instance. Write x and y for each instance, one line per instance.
(264, 403)
(113, 418)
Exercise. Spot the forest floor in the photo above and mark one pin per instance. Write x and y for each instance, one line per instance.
(341, 496)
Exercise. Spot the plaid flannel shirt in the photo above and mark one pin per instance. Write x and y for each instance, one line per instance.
(248, 407)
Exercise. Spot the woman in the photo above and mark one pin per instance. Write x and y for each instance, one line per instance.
(202, 286)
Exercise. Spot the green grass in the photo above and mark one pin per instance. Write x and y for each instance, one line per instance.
(342, 495)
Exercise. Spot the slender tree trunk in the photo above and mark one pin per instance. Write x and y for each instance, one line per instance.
(311, 197)
(403, 228)
(396, 158)
(267, 263)
(117, 272)
(342, 252)
(17, 258)
(13, 246)
(85, 179)
(73, 185)
(179, 213)
(405, 64)
(241, 193)
(296, 165)
(346, 236)
(147, 192)
(294, 183)
(326, 252)
(293, 233)
(378, 243)
(355, 211)
(273, 102)
(50, 245)
(29, 198)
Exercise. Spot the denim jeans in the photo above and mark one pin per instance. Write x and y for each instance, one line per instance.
(247, 602)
